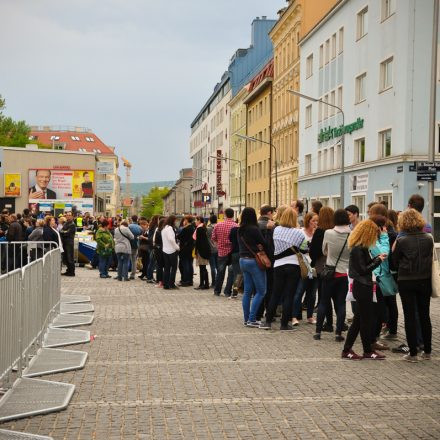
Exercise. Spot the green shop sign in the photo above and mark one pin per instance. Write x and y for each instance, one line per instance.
(329, 133)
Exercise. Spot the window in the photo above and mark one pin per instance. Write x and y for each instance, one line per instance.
(341, 40)
(325, 106)
(108, 200)
(324, 160)
(321, 56)
(309, 115)
(386, 74)
(320, 105)
(332, 110)
(338, 156)
(359, 201)
(319, 161)
(360, 94)
(333, 46)
(385, 143)
(327, 52)
(331, 164)
(359, 150)
(309, 66)
(308, 164)
(336, 203)
(386, 198)
(339, 97)
(362, 23)
(324, 201)
(388, 8)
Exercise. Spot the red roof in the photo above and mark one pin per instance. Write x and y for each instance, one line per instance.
(72, 141)
(265, 72)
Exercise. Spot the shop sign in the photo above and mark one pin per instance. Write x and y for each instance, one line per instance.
(218, 170)
(12, 185)
(329, 133)
(104, 167)
(104, 186)
(359, 182)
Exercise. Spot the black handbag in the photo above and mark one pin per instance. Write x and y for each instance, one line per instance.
(328, 273)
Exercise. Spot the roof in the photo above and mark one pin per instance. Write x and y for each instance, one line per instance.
(266, 72)
(72, 140)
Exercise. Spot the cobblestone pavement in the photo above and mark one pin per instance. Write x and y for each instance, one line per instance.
(180, 364)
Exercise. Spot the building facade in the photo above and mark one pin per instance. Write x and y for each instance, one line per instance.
(259, 158)
(285, 36)
(369, 58)
(179, 198)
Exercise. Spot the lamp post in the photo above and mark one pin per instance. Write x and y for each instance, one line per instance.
(239, 164)
(253, 139)
(310, 98)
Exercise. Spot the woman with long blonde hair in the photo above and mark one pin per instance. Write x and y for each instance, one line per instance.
(360, 268)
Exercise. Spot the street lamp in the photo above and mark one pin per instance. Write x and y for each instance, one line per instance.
(253, 139)
(310, 98)
(239, 162)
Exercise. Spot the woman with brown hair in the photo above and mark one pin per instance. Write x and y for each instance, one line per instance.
(325, 221)
(203, 252)
(360, 268)
(412, 256)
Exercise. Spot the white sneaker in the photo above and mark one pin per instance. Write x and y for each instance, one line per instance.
(409, 358)
(295, 322)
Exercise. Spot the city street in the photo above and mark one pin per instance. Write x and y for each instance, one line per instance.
(180, 365)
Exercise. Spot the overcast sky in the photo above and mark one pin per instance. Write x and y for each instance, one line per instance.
(136, 72)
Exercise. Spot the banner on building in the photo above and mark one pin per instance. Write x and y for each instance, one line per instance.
(359, 182)
(218, 170)
(71, 188)
(12, 185)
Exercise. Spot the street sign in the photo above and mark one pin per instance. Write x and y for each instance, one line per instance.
(427, 171)
(104, 186)
(400, 169)
(104, 167)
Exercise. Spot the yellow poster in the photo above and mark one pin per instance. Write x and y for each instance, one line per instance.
(12, 185)
(82, 184)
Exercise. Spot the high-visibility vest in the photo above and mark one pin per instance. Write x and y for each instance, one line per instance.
(79, 222)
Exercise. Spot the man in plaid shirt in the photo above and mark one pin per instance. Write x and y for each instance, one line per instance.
(220, 235)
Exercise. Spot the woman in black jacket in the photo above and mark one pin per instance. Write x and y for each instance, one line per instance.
(186, 243)
(412, 257)
(360, 268)
(203, 252)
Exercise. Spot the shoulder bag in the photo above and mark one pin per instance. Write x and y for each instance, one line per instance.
(435, 275)
(132, 242)
(260, 256)
(303, 266)
(328, 273)
(386, 283)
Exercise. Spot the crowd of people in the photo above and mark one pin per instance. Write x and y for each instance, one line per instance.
(285, 262)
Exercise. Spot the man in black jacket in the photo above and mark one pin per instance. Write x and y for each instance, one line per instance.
(68, 237)
(14, 234)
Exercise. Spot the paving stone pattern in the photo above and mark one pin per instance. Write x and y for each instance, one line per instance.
(180, 365)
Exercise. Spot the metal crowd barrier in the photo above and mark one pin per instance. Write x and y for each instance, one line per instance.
(29, 301)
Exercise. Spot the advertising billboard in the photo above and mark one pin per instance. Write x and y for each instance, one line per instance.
(12, 183)
(71, 188)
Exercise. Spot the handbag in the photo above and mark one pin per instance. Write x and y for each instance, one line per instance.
(387, 285)
(302, 264)
(435, 276)
(260, 256)
(328, 273)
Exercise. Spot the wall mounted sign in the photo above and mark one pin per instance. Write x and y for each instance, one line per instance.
(329, 133)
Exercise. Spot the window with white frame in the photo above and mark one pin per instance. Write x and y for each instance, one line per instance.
(324, 160)
(321, 56)
(309, 115)
(308, 164)
(331, 159)
(332, 110)
(360, 90)
(325, 106)
(385, 143)
(340, 96)
(386, 198)
(319, 161)
(359, 150)
(362, 23)
(341, 40)
(324, 201)
(359, 201)
(333, 46)
(320, 105)
(309, 66)
(327, 52)
(336, 202)
(338, 156)
(386, 74)
(388, 8)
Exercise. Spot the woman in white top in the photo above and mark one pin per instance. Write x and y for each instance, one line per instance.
(170, 250)
(288, 240)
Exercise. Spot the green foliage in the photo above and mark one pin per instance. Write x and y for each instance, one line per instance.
(152, 203)
(12, 133)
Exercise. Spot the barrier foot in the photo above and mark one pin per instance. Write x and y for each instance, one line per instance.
(71, 320)
(59, 337)
(74, 299)
(5, 434)
(76, 308)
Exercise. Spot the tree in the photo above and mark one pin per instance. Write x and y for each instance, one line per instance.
(12, 133)
(152, 203)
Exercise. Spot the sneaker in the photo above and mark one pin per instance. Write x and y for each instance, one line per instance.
(311, 321)
(174, 288)
(295, 322)
(317, 336)
(328, 328)
(351, 356)
(426, 356)
(402, 348)
(409, 358)
(339, 338)
(374, 356)
(389, 337)
(379, 346)
(159, 285)
(287, 328)
(266, 325)
(255, 324)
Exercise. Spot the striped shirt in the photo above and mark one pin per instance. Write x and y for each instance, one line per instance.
(283, 239)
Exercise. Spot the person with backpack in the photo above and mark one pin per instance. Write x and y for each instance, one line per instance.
(123, 237)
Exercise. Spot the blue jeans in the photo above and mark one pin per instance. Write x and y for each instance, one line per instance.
(123, 264)
(254, 280)
(151, 265)
(187, 267)
(309, 286)
(213, 259)
(104, 264)
(222, 264)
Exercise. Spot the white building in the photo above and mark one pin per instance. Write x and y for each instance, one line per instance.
(209, 139)
(373, 59)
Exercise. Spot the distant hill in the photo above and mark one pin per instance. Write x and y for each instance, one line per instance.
(141, 189)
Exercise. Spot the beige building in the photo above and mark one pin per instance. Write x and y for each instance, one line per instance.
(237, 154)
(178, 200)
(260, 160)
(64, 171)
(285, 36)
(108, 202)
